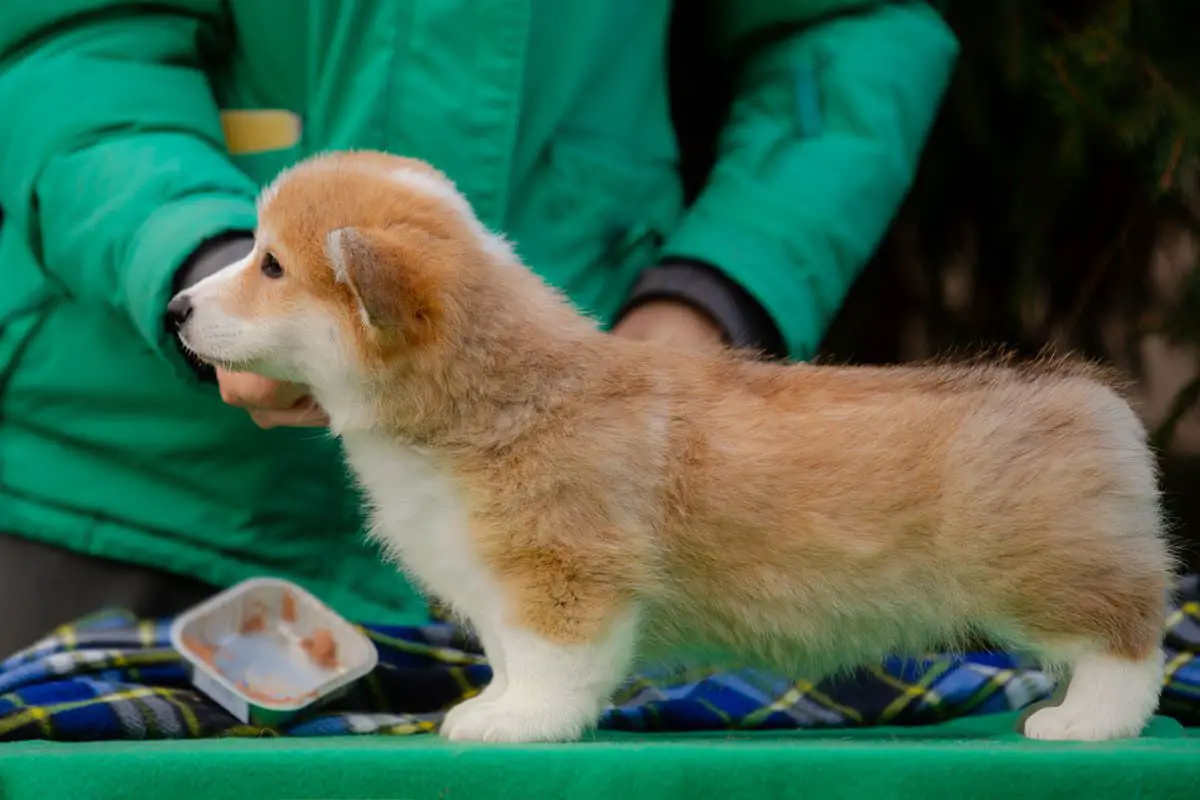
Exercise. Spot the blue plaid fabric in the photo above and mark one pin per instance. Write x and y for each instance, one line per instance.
(114, 677)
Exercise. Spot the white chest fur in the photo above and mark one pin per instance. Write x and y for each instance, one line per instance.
(420, 519)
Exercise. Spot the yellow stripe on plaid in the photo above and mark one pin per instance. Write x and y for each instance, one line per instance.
(466, 689)
(409, 727)
(44, 714)
(1181, 660)
(147, 631)
(910, 691)
(190, 721)
(143, 658)
(36, 714)
(243, 731)
(1175, 664)
(800, 690)
(1178, 615)
(639, 684)
(997, 682)
(66, 634)
(726, 720)
(446, 655)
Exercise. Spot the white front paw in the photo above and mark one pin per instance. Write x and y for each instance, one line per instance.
(515, 718)
(1073, 724)
(457, 712)
(1050, 724)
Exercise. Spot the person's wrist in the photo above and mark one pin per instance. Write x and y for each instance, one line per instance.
(670, 321)
(742, 321)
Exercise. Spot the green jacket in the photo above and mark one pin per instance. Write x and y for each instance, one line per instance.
(552, 116)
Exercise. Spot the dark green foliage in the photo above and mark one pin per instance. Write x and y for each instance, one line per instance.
(1071, 133)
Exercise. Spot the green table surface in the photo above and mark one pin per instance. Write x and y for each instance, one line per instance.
(977, 758)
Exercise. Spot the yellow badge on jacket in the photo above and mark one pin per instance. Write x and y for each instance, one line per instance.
(249, 131)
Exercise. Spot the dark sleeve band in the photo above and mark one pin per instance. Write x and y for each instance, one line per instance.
(743, 320)
(213, 256)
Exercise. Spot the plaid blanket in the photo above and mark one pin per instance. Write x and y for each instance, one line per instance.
(114, 677)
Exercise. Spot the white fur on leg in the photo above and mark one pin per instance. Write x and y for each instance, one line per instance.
(1107, 698)
(553, 694)
(495, 688)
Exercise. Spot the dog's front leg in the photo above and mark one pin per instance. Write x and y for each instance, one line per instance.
(485, 629)
(551, 691)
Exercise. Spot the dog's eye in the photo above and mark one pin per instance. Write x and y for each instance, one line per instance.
(271, 267)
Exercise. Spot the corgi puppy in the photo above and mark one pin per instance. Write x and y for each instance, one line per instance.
(583, 500)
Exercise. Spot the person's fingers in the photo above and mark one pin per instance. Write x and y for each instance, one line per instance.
(254, 392)
(286, 395)
(270, 403)
(307, 416)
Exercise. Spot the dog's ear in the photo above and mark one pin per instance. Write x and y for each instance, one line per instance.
(395, 274)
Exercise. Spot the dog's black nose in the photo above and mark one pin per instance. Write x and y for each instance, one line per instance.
(179, 309)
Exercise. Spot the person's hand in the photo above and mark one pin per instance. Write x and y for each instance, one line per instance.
(670, 321)
(271, 404)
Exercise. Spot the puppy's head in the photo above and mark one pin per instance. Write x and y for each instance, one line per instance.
(359, 260)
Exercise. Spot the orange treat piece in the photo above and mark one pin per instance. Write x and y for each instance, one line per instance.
(289, 607)
(265, 697)
(256, 621)
(268, 689)
(321, 648)
(261, 696)
(201, 649)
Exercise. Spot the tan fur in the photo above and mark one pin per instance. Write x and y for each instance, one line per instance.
(773, 496)
(327, 202)
(808, 517)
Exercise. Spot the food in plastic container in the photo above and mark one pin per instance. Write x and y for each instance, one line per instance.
(267, 650)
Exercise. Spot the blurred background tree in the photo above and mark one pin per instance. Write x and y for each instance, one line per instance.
(1065, 155)
(1057, 205)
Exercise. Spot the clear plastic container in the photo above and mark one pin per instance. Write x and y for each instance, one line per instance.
(266, 650)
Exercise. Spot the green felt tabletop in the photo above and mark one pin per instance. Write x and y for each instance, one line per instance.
(977, 757)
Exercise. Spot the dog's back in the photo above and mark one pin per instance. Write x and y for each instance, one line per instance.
(825, 517)
(936, 492)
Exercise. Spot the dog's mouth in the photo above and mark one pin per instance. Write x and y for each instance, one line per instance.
(204, 358)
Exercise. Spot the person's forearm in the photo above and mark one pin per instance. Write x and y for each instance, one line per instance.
(115, 193)
(818, 151)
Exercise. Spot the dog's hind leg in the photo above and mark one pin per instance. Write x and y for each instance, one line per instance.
(1107, 636)
(1108, 697)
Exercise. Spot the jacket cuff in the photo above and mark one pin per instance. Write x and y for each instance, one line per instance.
(744, 322)
(212, 256)
(209, 258)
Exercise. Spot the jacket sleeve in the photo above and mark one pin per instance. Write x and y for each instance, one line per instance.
(112, 158)
(820, 149)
